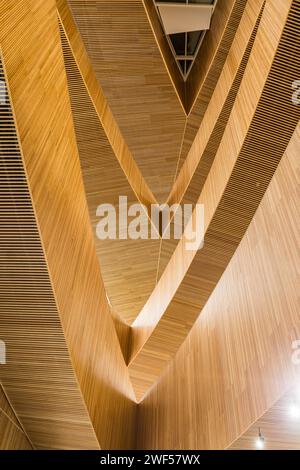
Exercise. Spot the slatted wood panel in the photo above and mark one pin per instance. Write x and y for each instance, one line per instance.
(165, 50)
(82, 320)
(38, 375)
(128, 280)
(208, 67)
(5, 406)
(136, 83)
(12, 436)
(102, 109)
(246, 161)
(193, 174)
(279, 427)
(236, 362)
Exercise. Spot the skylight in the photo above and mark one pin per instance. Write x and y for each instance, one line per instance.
(185, 23)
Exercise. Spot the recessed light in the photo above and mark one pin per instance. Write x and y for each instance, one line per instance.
(294, 411)
(260, 441)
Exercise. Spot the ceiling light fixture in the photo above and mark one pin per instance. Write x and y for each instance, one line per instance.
(260, 441)
(294, 411)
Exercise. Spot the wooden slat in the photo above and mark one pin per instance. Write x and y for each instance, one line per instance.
(245, 163)
(237, 361)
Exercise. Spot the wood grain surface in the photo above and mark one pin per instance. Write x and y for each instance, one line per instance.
(237, 360)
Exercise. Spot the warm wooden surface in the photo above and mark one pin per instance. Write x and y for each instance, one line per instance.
(244, 165)
(6, 407)
(109, 126)
(149, 104)
(208, 65)
(54, 303)
(72, 311)
(128, 280)
(236, 362)
(38, 375)
(165, 51)
(12, 436)
(280, 429)
(192, 176)
(120, 43)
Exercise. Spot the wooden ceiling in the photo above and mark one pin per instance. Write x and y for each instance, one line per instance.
(129, 288)
(30, 325)
(12, 435)
(105, 177)
(237, 360)
(197, 165)
(102, 114)
(55, 318)
(120, 43)
(240, 174)
(280, 426)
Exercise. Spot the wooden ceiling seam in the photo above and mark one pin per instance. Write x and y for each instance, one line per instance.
(3, 413)
(166, 54)
(170, 223)
(11, 437)
(13, 418)
(226, 38)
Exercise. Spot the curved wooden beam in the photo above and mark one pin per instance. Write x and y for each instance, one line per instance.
(38, 374)
(128, 280)
(197, 165)
(236, 361)
(244, 165)
(166, 53)
(109, 125)
(145, 103)
(207, 68)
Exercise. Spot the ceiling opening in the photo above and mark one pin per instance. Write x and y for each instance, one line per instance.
(185, 23)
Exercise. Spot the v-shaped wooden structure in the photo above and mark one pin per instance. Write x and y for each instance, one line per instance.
(95, 109)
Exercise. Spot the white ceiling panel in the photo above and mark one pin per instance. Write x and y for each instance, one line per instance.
(186, 17)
